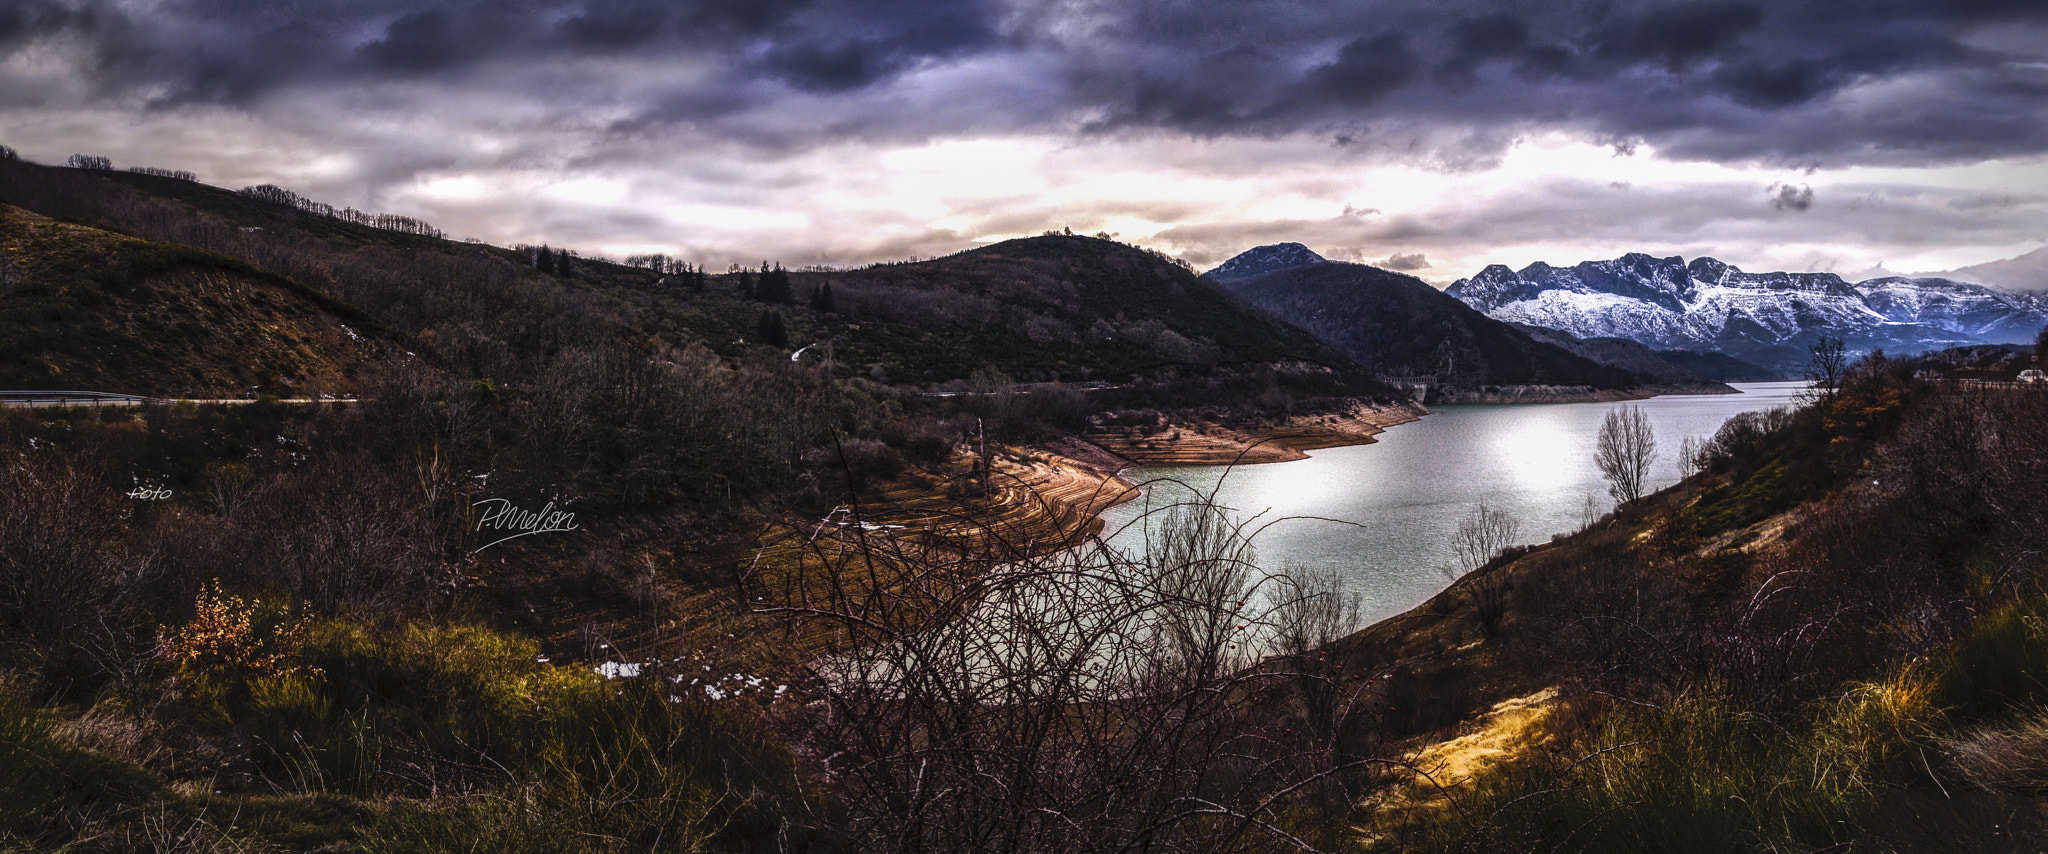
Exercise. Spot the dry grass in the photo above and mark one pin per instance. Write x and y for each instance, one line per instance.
(2010, 758)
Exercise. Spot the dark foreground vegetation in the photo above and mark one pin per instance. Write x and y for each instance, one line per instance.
(272, 627)
(279, 627)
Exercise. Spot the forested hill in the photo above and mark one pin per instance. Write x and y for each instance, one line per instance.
(1063, 307)
(1038, 309)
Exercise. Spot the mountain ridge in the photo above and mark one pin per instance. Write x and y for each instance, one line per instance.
(1769, 319)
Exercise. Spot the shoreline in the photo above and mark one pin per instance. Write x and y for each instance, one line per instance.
(1164, 439)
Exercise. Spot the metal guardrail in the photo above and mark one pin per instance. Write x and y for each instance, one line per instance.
(67, 398)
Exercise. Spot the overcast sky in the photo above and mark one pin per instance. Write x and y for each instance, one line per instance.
(1434, 136)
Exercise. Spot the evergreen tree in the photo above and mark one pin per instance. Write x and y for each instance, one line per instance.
(771, 331)
(544, 260)
(746, 285)
(694, 278)
(562, 262)
(821, 299)
(775, 286)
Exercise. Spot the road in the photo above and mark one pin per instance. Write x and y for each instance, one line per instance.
(95, 399)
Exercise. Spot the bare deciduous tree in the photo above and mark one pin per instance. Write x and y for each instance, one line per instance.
(1692, 458)
(1827, 363)
(1481, 537)
(1624, 451)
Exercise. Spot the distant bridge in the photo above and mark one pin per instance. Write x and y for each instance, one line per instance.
(1417, 386)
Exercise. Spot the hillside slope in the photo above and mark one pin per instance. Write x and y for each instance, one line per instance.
(87, 309)
(1819, 639)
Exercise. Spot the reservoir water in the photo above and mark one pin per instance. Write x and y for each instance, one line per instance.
(1386, 512)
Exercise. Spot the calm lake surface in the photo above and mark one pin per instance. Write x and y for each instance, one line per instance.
(1400, 499)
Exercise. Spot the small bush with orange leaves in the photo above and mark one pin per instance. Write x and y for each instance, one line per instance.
(238, 638)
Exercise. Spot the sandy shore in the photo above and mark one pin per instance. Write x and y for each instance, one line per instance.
(1199, 441)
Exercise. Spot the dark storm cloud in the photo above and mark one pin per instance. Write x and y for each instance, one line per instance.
(894, 35)
(35, 19)
(1367, 68)
(1786, 197)
(1718, 79)
(609, 29)
(1676, 36)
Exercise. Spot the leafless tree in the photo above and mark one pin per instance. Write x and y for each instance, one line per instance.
(1827, 363)
(1481, 537)
(1624, 451)
(1692, 458)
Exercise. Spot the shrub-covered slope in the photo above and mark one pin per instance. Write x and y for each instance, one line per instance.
(86, 309)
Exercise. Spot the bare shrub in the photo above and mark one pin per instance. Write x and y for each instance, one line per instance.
(989, 697)
(1738, 436)
(63, 562)
(344, 535)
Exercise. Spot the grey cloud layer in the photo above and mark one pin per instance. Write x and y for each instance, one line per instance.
(1873, 81)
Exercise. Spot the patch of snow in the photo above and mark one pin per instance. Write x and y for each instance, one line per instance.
(618, 670)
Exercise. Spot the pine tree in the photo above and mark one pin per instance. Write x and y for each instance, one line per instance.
(821, 299)
(771, 331)
(775, 288)
(746, 285)
(544, 261)
(786, 292)
(562, 262)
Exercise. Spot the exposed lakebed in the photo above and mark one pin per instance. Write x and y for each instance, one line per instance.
(1387, 511)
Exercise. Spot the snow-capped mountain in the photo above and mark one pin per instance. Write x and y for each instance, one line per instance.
(1766, 318)
(1262, 260)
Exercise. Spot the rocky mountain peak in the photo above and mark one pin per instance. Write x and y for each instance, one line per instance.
(1263, 260)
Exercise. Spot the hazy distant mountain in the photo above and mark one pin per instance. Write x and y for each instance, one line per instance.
(1768, 319)
(1263, 260)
